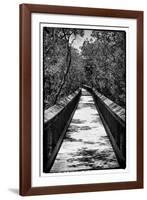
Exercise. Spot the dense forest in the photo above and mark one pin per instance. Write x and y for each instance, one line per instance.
(100, 62)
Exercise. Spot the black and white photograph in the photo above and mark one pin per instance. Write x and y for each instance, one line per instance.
(81, 99)
(84, 99)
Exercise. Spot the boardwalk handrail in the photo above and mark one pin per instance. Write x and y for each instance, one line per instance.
(113, 118)
(56, 121)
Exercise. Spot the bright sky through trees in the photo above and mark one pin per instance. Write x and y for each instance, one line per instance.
(79, 40)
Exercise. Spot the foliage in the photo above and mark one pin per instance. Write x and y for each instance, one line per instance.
(60, 60)
(101, 63)
(104, 62)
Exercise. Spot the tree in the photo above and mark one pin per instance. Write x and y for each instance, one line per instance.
(105, 58)
(57, 59)
(69, 35)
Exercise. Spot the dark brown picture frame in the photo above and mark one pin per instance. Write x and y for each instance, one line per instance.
(25, 99)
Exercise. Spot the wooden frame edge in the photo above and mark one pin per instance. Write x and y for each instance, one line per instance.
(25, 99)
(140, 140)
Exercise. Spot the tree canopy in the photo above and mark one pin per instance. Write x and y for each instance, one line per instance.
(99, 63)
(105, 63)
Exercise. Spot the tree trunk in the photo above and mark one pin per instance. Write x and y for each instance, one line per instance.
(68, 63)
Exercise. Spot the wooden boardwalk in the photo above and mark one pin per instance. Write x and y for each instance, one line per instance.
(86, 145)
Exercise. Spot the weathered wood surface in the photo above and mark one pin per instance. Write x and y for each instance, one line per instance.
(113, 117)
(54, 110)
(86, 145)
(118, 110)
(56, 121)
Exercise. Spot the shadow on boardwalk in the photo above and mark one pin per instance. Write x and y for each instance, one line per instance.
(86, 145)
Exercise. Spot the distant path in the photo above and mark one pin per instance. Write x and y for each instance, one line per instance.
(86, 145)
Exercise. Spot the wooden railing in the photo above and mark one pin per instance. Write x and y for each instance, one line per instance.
(113, 118)
(56, 121)
(58, 117)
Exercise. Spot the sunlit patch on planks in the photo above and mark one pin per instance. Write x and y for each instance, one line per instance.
(86, 145)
